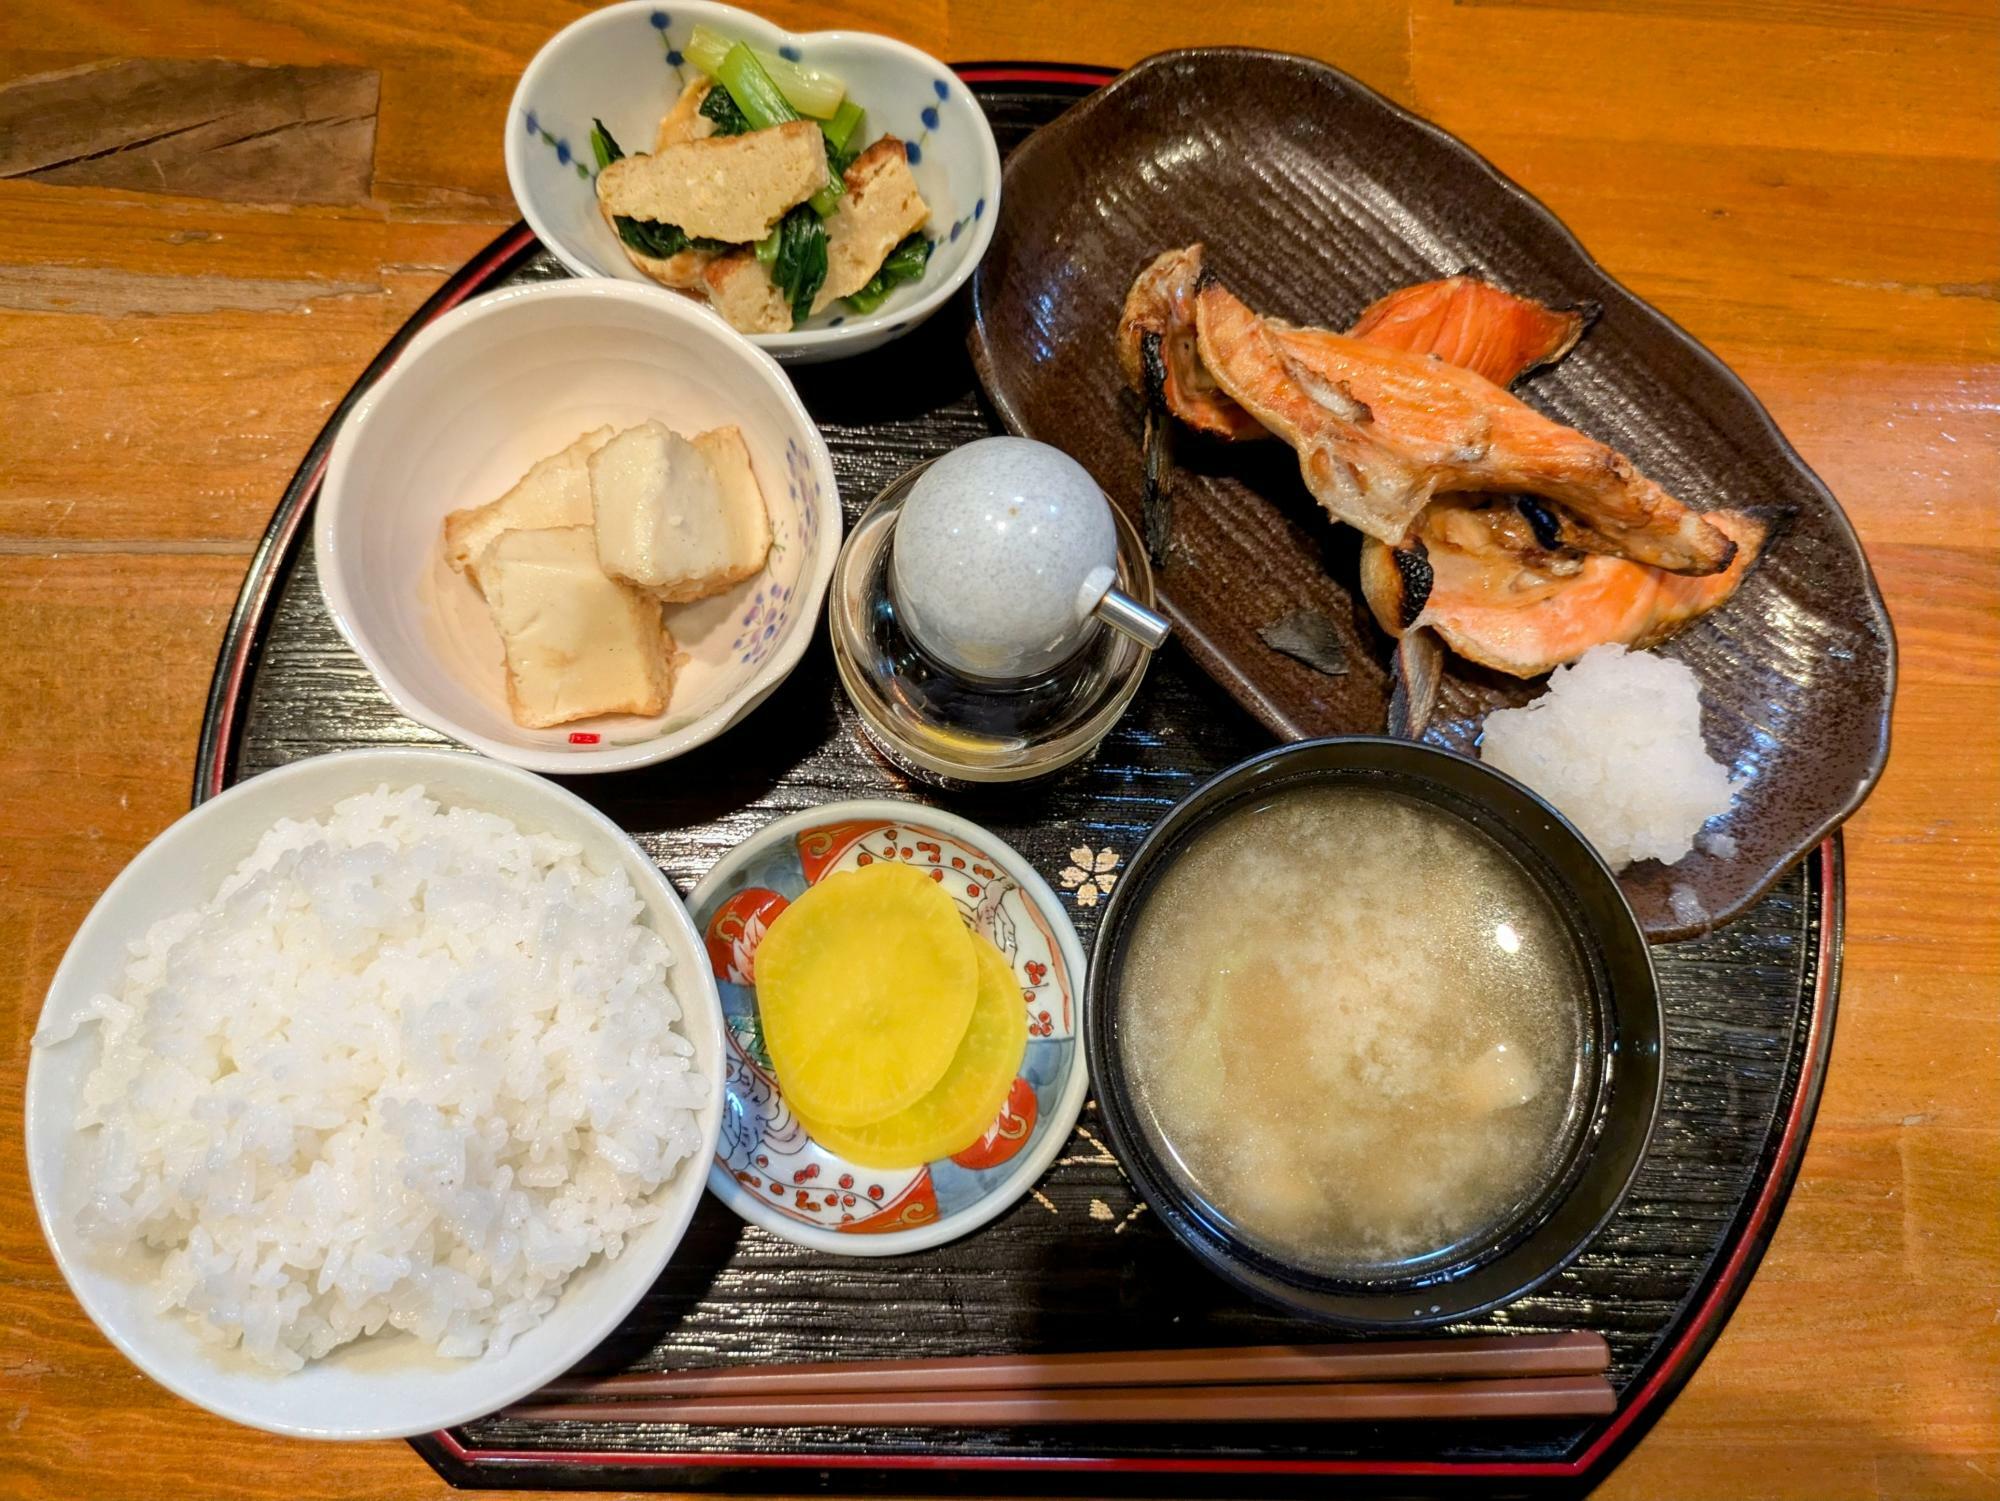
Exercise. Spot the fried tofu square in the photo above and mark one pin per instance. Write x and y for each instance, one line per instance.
(578, 644)
(685, 121)
(739, 287)
(730, 188)
(681, 518)
(555, 492)
(879, 210)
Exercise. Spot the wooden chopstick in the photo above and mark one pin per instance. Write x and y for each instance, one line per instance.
(1481, 1356)
(1319, 1402)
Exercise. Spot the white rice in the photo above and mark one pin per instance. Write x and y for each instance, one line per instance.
(1616, 745)
(410, 1068)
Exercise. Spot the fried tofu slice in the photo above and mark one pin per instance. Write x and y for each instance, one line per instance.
(682, 272)
(555, 492)
(682, 519)
(741, 551)
(654, 496)
(578, 644)
(685, 121)
(740, 288)
(732, 188)
(880, 208)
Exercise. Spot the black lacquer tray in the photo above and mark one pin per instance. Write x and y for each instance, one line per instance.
(1078, 1264)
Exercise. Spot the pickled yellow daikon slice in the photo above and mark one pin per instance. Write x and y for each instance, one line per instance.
(957, 1112)
(865, 985)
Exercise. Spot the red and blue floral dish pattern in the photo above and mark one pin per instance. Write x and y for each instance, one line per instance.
(767, 1166)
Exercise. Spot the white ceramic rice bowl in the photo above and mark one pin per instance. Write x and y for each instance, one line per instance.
(375, 1387)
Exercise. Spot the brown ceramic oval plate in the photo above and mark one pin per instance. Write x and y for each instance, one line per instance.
(1314, 196)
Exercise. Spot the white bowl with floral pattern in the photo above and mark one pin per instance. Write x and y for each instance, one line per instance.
(477, 398)
(623, 65)
(767, 1167)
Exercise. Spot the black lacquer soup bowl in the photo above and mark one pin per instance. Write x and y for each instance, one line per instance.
(1615, 1092)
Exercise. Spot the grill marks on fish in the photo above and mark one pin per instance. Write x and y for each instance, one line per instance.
(1461, 319)
(1421, 372)
(1156, 502)
(1156, 349)
(1160, 306)
(1414, 578)
(1371, 484)
(1522, 587)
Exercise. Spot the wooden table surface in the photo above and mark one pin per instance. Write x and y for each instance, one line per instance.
(213, 214)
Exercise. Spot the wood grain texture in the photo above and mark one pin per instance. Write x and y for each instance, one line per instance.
(1807, 187)
(202, 127)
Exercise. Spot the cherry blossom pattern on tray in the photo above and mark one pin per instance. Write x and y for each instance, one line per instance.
(1090, 874)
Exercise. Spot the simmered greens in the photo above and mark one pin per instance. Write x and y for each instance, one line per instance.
(837, 163)
(845, 126)
(719, 105)
(905, 263)
(750, 91)
(812, 93)
(799, 267)
(603, 145)
(663, 240)
(751, 87)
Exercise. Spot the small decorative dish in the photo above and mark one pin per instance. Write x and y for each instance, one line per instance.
(1599, 1121)
(383, 1385)
(625, 65)
(479, 396)
(767, 1167)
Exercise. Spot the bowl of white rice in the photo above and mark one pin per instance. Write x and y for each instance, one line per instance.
(374, 1093)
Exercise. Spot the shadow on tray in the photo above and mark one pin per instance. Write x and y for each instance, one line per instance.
(682, 1287)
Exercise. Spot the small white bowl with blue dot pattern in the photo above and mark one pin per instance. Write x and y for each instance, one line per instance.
(623, 65)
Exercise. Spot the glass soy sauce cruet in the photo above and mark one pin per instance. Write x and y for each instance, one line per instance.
(992, 614)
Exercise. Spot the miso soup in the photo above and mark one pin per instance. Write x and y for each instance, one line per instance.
(1356, 1026)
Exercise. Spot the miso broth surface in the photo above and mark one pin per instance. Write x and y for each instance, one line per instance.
(1357, 1025)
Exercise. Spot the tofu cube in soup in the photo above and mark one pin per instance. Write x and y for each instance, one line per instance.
(577, 643)
(683, 519)
(555, 492)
